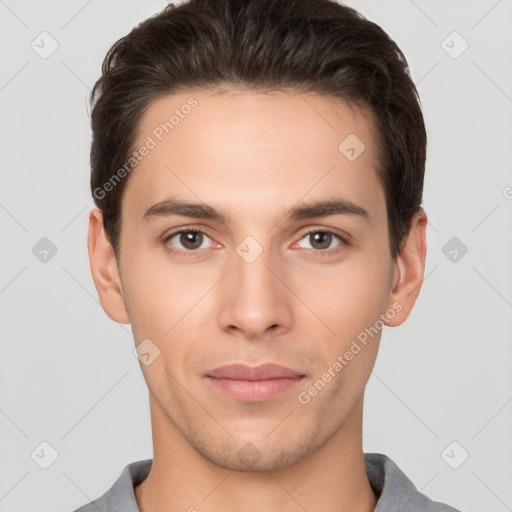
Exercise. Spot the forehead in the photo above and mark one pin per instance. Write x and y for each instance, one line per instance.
(253, 150)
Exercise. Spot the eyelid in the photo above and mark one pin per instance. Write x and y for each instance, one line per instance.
(344, 239)
(186, 229)
(324, 229)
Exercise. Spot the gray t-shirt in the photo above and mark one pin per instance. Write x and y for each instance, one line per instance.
(395, 491)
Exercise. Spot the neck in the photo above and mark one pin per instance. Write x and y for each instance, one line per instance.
(332, 478)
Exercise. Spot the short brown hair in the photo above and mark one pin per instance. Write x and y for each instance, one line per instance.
(306, 45)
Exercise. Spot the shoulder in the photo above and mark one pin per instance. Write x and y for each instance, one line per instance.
(120, 497)
(394, 490)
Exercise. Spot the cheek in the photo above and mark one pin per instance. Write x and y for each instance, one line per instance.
(167, 304)
(350, 306)
(349, 297)
(158, 293)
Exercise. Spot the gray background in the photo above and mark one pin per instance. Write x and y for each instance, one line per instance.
(68, 374)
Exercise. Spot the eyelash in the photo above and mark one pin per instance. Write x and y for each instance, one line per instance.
(325, 252)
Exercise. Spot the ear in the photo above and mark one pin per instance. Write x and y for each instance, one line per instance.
(104, 270)
(408, 271)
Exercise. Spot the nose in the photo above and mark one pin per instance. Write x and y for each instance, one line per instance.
(255, 300)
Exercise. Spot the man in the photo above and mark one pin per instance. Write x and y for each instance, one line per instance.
(257, 169)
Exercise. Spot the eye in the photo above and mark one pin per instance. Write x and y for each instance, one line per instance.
(321, 240)
(190, 239)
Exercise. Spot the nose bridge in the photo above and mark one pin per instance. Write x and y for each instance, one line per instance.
(253, 273)
(256, 299)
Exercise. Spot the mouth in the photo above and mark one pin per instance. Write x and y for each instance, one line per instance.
(253, 383)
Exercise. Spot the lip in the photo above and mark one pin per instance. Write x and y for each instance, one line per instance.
(245, 372)
(253, 383)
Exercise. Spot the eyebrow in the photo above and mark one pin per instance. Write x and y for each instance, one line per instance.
(326, 208)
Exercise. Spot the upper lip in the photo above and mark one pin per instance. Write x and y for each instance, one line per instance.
(262, 372)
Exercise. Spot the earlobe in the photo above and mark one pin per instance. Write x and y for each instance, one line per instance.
(409, 270)
(104, 270)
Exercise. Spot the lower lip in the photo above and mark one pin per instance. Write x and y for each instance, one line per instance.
(254, 390)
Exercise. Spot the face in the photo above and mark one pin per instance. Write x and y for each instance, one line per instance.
(252, 234)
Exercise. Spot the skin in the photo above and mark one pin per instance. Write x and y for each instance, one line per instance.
(255, 156)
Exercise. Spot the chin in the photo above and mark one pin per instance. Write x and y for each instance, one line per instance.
(257, 456)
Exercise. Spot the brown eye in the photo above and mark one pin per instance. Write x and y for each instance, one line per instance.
(191, 239)
(187, 240)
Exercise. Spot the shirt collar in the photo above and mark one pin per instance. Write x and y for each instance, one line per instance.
(391, 486)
